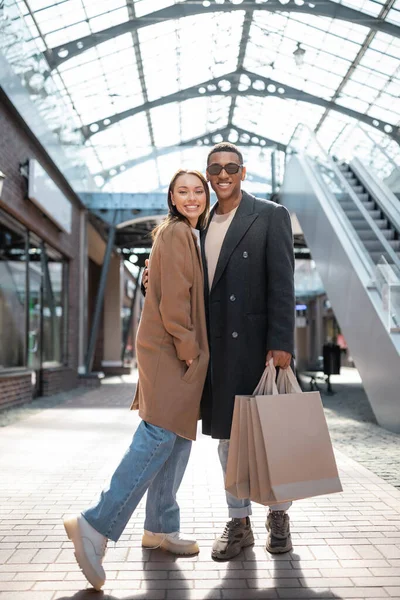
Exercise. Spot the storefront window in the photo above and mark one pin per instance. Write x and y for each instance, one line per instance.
(32, 300)
(12, 295)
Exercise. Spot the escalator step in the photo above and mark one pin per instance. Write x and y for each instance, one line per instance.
(349, 205)
(362, 225)
(370, 235)
(355, 215)
(376, 257)
(363, 197)
(375, 245)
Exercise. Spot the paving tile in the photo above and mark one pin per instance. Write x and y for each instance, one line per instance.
(359, 592)
(346, 552)
(193, 594)
(246, 594)
(26, 595)
(132, 595)
(15, 586)
(303, 593)
(376, 581)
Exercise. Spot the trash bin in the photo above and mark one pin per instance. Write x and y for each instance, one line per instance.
(331, 354)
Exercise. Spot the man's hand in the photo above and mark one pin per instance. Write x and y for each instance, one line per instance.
(189, 362)
(281, 359)
(145, 278)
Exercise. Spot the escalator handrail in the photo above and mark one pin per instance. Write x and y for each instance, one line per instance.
(383, 196)
(352, 194)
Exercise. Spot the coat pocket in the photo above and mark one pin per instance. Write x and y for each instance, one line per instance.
(190, 373)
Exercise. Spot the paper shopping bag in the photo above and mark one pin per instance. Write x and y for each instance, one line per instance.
(298, 448)
(241, 477)
(237, 470)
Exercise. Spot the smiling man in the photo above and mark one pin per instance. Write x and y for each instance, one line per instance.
(247, 252)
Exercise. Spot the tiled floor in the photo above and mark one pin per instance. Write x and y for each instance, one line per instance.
(55, 462)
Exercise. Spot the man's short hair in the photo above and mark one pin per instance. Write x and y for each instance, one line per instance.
(225, 147)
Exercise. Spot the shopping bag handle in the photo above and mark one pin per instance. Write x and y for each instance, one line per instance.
(267, 386)
(287, 382)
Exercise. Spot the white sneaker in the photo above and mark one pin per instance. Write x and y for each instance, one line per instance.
(172, 542)
(90, 548)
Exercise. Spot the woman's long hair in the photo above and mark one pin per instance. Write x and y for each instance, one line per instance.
(174, 214)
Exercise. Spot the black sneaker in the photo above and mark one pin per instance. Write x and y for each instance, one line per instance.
(279, 539)
(236, 535)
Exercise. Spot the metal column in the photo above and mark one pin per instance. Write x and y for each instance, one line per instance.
(129, 324)
(273, 172)
(100, 296)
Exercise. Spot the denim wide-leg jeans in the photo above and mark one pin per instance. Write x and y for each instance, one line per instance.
(155, 462)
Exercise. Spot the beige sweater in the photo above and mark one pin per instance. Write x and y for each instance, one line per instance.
(216, 233)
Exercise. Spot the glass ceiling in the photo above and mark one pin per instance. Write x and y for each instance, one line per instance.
(345, 63)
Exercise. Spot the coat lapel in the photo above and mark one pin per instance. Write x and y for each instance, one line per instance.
(242, 220)
(203, 234)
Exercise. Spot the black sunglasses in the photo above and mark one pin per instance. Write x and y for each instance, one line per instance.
(230, 168)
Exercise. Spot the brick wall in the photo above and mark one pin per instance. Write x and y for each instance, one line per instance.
(15, 388)
(58, 379)
(18, 145)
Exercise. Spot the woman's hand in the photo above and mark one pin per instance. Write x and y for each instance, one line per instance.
(145, 277)
(189, 362)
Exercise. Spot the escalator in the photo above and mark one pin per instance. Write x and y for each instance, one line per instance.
(371, 204)
(351, 224)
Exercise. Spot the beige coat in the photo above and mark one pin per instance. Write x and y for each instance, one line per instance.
(173, 329)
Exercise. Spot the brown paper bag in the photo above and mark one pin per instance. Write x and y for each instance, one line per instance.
(238, 479)
(298, 448)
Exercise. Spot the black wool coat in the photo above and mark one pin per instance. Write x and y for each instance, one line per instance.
(250, 308)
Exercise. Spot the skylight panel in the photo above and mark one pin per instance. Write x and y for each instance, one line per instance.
(275, 118)
(37, 5)
(59, 16)
(68, 34)
(369, 7)
(377, 61)
(165, 121)
(94, 8)
(109, 19)
(394, 16)
(140, 179)
(195, 115)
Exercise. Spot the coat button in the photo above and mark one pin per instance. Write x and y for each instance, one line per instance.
(232, 298)
(235, 334)
(245, 254)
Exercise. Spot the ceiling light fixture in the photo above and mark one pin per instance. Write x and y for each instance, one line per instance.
(299, 55)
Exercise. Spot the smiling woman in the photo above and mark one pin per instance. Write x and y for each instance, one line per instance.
(189, 197)
(188, 200)
(172, 357)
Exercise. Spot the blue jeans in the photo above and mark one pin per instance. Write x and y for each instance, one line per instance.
(240, 508)
(155, 461)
